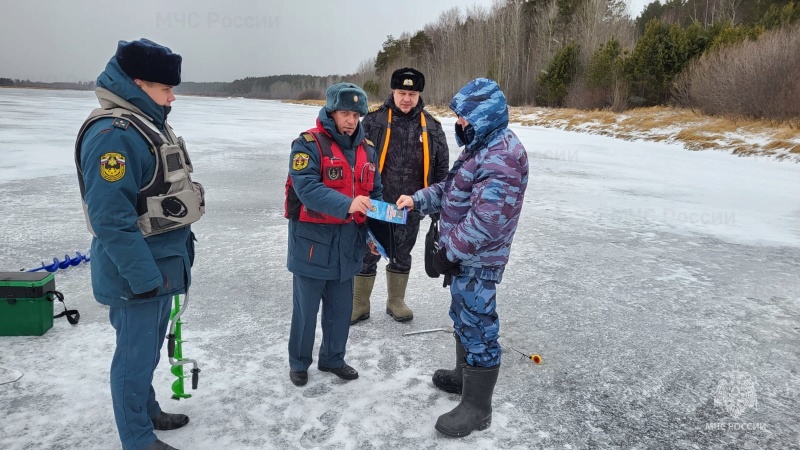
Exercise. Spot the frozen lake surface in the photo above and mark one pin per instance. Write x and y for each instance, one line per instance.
(659, 285)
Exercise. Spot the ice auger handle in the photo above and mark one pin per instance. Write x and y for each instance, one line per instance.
(171, 345)
(195, 377)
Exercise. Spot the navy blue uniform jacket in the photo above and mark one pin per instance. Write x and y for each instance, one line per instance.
(338, 249)
(124, 262)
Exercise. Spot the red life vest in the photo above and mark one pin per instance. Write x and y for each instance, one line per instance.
(337, 174)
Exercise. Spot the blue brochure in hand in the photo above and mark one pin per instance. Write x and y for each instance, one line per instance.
(388, 212)
(378, 246)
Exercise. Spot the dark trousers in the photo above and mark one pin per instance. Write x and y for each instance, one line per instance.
(404, 237)
(337, 305)
(141, 328)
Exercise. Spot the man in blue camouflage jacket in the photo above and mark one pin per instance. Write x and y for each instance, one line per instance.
(480, 203)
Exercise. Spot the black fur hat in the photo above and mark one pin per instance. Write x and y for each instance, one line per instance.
(408, 79)
(148, 61)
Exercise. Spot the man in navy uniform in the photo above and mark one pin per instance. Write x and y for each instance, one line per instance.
(332, 176)
(139, 201)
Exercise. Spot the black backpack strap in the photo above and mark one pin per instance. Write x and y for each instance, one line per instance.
(72, 315)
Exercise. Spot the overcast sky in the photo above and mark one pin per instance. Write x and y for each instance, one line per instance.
(220, 40)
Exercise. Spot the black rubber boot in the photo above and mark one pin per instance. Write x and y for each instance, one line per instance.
(451, 380)
(475, 410)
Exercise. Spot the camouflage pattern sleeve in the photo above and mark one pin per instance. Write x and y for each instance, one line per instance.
(495, 200)
(429, 200)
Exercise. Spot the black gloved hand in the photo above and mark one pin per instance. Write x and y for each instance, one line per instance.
(148, 294)
(444, 266)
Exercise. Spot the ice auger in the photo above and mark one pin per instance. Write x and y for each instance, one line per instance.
(67, 262)
(175, 350)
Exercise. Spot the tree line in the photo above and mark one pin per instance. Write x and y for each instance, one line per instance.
(269, 87)
(727, 57)
(77, 85)
(589, 54)
(278, 87)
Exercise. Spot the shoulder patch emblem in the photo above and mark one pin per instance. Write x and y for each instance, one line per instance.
(300, 161)
(308, 137)
(373, 108)
(121, 123)
(112, 167)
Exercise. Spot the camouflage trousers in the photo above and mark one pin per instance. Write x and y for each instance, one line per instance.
(475, 320)
(403, 239)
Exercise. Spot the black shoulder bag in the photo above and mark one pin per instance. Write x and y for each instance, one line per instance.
(432, 246)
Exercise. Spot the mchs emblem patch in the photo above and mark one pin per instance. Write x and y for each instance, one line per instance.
(300, 161)
(112, 167)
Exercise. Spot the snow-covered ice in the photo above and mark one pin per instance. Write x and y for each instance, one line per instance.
(648, 277)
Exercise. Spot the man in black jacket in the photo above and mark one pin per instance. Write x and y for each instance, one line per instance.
(412, 154)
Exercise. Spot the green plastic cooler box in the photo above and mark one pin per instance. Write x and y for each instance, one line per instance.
(26, 303)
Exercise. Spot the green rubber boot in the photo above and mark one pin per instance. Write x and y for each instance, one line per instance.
(362, 289)
(395, 305)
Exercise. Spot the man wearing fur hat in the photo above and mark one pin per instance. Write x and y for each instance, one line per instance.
(413, 154)
(332, 176)
(139, 201)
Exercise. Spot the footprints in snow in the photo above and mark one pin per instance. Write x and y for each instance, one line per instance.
(316, 391)
(318, 435)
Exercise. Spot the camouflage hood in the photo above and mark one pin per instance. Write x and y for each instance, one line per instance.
(484, 106)
(481, 199)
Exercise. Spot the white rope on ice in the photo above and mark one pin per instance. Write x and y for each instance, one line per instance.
(13, 372)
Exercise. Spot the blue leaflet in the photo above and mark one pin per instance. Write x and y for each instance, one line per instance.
(387, 212)
(378, 246)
